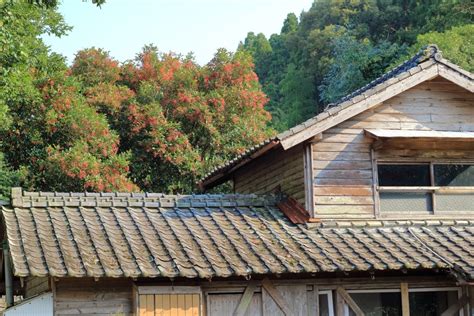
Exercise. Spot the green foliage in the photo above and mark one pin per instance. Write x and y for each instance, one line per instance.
(339, 45)
(456, 44)
(8, 179)
(355, 63)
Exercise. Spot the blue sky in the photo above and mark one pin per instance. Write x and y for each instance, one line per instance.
(123, 26)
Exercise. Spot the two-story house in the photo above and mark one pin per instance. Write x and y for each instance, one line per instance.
(365, 209)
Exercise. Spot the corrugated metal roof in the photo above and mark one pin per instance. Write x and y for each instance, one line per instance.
(205, 236)
(427, 56)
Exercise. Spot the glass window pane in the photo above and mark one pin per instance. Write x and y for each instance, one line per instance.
(378, 304)
(431, 303)
(454, 175)
(404, 175)
(323, 305)
(402, 202)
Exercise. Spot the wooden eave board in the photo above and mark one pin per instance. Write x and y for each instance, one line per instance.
(414, 134)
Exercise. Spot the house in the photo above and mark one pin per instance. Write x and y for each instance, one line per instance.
(365, 209)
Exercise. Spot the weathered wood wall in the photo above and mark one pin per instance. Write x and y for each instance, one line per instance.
(342, 164)
(36, 285)
(85, 296)
(74, 296)
(279, 168)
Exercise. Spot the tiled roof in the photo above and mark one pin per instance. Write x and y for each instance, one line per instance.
(425, 58)
(205, 236)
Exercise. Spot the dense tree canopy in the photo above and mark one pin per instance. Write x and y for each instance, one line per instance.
(156, 123)
(338, 45)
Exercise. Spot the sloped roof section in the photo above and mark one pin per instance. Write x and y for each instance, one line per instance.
(205, 236)
(429, 60)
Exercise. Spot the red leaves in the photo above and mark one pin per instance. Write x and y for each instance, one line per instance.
(161, 120)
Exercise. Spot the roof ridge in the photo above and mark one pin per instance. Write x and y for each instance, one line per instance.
(430, 51)
(22, 198)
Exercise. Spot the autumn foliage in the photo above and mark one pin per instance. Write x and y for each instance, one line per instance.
(156, 123)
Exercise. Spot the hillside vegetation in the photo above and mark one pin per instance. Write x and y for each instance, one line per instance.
(338, 46)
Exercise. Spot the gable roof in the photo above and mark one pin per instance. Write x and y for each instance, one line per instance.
(205, 236)
(425, 65)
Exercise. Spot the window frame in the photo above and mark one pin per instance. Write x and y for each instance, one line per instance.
(432, 189)
(330, 301)
(410, 290)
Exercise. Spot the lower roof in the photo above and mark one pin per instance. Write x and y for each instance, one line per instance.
(205, 236)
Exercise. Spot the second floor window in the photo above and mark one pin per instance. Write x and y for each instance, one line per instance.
(426, 187)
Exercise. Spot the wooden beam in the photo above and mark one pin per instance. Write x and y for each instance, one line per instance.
(339, 305)
(245, 300)
(471, 299)
(349, 301)
(308, 178)
(456, 307)
(277, 297)
(405, 299)
(366, 103)
(456, 78)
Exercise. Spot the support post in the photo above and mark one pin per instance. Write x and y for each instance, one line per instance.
(8, 276)
(405, 299)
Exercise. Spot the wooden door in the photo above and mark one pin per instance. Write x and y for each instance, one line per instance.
(169, 304)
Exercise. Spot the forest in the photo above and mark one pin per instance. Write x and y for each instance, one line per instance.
(160, 121)
(337, 46)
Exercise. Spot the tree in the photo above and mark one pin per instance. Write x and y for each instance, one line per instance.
(456, 44)
(355, 64)
(175, 118)
(55, 138)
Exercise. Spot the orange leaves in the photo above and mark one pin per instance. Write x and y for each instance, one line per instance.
(108, 97)
(93, 173)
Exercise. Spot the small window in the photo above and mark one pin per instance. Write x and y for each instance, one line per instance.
(426, 188)
(454, 175)
(325, 303)
(404, 175)
(167, 300)
(388, 302)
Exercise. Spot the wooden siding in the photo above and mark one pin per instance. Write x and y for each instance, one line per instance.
(342, 160)
(85, 296)
(36, 285)
(278, 168)
(88, 297)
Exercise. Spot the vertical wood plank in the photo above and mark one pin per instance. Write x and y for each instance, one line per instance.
(405, 299)
(188, 303)
(159, 305)
(195, 306)
(142, 305)
(173, 305)
(375, 180)
(181, 305)
(308, 178)
(339, 305)
(166, 305)
(150, 305)
(312, 298)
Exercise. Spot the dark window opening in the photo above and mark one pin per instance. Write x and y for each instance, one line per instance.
(404, 175)
(454, 175)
